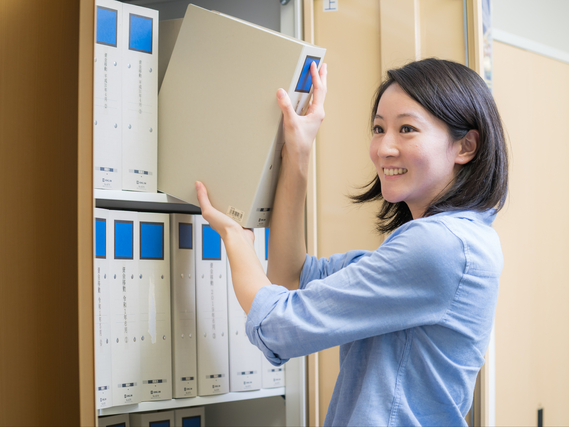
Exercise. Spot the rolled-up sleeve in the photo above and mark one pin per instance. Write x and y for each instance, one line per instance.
(408, 281)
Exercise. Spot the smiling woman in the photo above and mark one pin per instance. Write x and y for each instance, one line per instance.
(444, 113)
(412, 318)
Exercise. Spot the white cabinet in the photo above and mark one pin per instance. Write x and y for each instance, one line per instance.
(239, 408)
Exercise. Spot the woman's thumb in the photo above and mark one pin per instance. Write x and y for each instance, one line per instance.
(284, 102)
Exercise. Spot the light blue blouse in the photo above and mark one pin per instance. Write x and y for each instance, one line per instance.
(413, 319)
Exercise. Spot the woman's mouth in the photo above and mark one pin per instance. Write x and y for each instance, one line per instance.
(394, 171)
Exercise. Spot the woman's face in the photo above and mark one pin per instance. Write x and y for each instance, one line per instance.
(412, 150)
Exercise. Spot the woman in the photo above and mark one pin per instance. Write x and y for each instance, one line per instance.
(413, 317)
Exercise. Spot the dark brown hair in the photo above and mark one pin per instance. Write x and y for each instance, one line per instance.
(459, 97)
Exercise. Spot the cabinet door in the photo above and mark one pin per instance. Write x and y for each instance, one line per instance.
(46, 236)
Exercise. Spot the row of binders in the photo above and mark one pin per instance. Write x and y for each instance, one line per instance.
(167, 321)
(187, 417)
(126, 97)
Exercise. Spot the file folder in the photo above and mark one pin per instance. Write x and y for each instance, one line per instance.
(139, 98)
(184, 348)
(155, 322)
(244, 357)
(272, 376)
(211, 306)
(219, 64)
(125, 319)
(107, 95)
(102, 299)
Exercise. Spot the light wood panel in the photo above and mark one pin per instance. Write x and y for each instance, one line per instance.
(364, 39)
(46, 322)
(532, 343)
(351, 36)
(442, 29)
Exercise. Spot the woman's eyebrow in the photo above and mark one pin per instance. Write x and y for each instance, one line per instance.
(402, 115)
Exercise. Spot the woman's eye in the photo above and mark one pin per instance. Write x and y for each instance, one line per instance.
(406, 129)
(377, 129)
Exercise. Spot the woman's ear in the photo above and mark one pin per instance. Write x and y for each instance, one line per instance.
(468, 147)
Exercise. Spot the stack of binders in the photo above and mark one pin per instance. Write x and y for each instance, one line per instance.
(167, 320)
(126, 97)
(132, 308)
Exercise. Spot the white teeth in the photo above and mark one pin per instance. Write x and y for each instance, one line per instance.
(395, 171)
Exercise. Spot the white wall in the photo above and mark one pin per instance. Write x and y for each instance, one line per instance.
(536, 25)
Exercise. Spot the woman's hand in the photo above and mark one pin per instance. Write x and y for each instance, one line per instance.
(218, 220)
(300, 131)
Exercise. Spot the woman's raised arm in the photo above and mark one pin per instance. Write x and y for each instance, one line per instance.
(287, 248)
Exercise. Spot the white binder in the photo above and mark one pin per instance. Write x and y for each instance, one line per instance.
(211, 307)
(220, 63)
(154, 287)
(152, 419)
(190, 417)
(183, 277)
(107, 95)
(244, 357)
(273, 376)
(125, 336)
(139, 98)
(102, 308)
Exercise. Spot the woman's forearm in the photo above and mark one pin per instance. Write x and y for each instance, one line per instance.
(246, 270)
(287, 248)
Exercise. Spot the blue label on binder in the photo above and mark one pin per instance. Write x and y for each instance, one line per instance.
(100, 238)
(266, 243)
(185, 236)
(151, 240)
(140, 32)
(211, 243)
(107, 26)
(305, 80)
(123, 239)
(165, 423)
(192, 421)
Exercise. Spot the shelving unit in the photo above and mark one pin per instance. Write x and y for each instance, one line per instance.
(294, 393)
(143, 202)
(193, 401)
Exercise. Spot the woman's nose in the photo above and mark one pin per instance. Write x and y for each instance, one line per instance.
(387, 146)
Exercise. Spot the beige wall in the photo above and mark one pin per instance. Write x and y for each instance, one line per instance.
(532, 319)
(351, 37)
(46, 244)
(364, 39)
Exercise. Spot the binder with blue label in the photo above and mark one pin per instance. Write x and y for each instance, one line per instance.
(155, 323)
(139, 98)
(219, 64)
(184, 340)
(107, 95)
(244, 357)
(102, 299)
(211, 306)
(125, 308)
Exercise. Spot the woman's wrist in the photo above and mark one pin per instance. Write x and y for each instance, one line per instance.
(297, 163)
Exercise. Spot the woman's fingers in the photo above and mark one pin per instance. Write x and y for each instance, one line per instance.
(203, 198)
(284, 102)
(319, 82)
